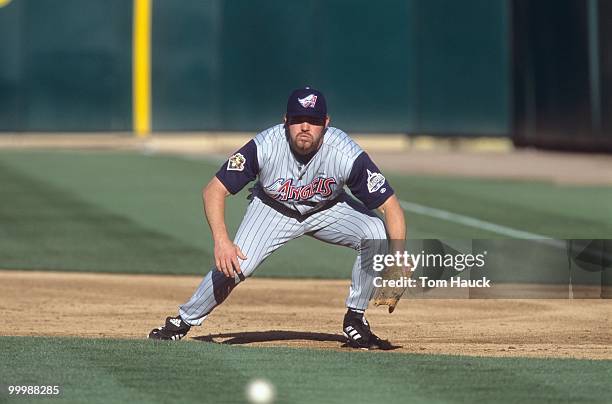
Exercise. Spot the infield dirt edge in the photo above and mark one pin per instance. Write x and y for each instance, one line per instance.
(302, 314)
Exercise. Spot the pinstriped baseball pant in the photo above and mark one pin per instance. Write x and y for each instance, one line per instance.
(264, 229)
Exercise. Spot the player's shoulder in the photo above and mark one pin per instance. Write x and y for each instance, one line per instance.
(338, 139)
(272, 135)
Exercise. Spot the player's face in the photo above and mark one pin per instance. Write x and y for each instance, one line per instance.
(306, 133)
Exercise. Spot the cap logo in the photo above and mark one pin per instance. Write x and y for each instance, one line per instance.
(309, 101)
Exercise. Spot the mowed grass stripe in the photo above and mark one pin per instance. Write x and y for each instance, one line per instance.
(93, 371)
(535, 207)
(68, 365)
(43, 227)
(160, 195)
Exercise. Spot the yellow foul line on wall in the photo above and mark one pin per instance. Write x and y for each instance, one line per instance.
(141, 68)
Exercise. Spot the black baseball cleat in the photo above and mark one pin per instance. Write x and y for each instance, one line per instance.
(357, 331)
(174, 329)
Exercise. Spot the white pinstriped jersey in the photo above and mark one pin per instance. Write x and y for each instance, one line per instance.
(305, 187)
(295, 196)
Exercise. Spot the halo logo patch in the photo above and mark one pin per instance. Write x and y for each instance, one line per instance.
(236, 162)
(375, 181)
(308, 101)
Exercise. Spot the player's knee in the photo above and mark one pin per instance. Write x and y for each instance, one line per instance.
(375, 230)
(222, 285)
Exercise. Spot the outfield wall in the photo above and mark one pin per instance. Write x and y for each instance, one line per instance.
(66, 65)
(538, 72)
(411, 66)
(562, 74)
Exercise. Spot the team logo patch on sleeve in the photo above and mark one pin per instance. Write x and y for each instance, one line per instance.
(236, 162)
(375, 181)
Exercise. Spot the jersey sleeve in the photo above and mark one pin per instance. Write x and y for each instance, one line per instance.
(241, 168)
(367, 183)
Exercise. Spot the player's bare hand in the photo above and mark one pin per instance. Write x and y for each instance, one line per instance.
(226, 258)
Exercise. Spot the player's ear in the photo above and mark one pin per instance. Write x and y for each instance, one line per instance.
(285, 119)
(327, 121)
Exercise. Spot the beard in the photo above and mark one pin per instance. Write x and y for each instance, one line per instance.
(304, 143)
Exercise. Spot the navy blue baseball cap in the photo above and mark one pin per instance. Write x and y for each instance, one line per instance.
(306, 102)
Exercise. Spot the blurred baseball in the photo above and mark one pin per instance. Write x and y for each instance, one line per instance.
(260, 391)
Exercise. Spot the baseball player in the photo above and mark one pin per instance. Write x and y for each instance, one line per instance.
(302, 167)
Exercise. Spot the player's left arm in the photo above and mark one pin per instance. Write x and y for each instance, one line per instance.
(394, 218)
(396, 229)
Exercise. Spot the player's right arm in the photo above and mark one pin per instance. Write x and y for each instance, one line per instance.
(226, 252)
(240, 169)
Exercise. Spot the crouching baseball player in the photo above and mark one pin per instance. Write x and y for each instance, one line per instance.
(301, 167)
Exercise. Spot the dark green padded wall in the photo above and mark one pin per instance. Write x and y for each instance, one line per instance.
(398, 66)
(186, 65)
(73, 62)
(416, 66)
(10, 66)
(463, 65)
(605, 52)
(368, 63)
(266, 51)
(356, 52)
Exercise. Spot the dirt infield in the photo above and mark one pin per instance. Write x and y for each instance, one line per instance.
(301, 313)
(530, 165)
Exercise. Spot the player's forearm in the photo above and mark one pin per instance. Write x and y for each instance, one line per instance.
(394, 218)
(213, 196)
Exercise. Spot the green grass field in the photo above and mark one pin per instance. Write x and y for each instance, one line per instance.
(126, 212)
(103, 371)
(134, 213)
